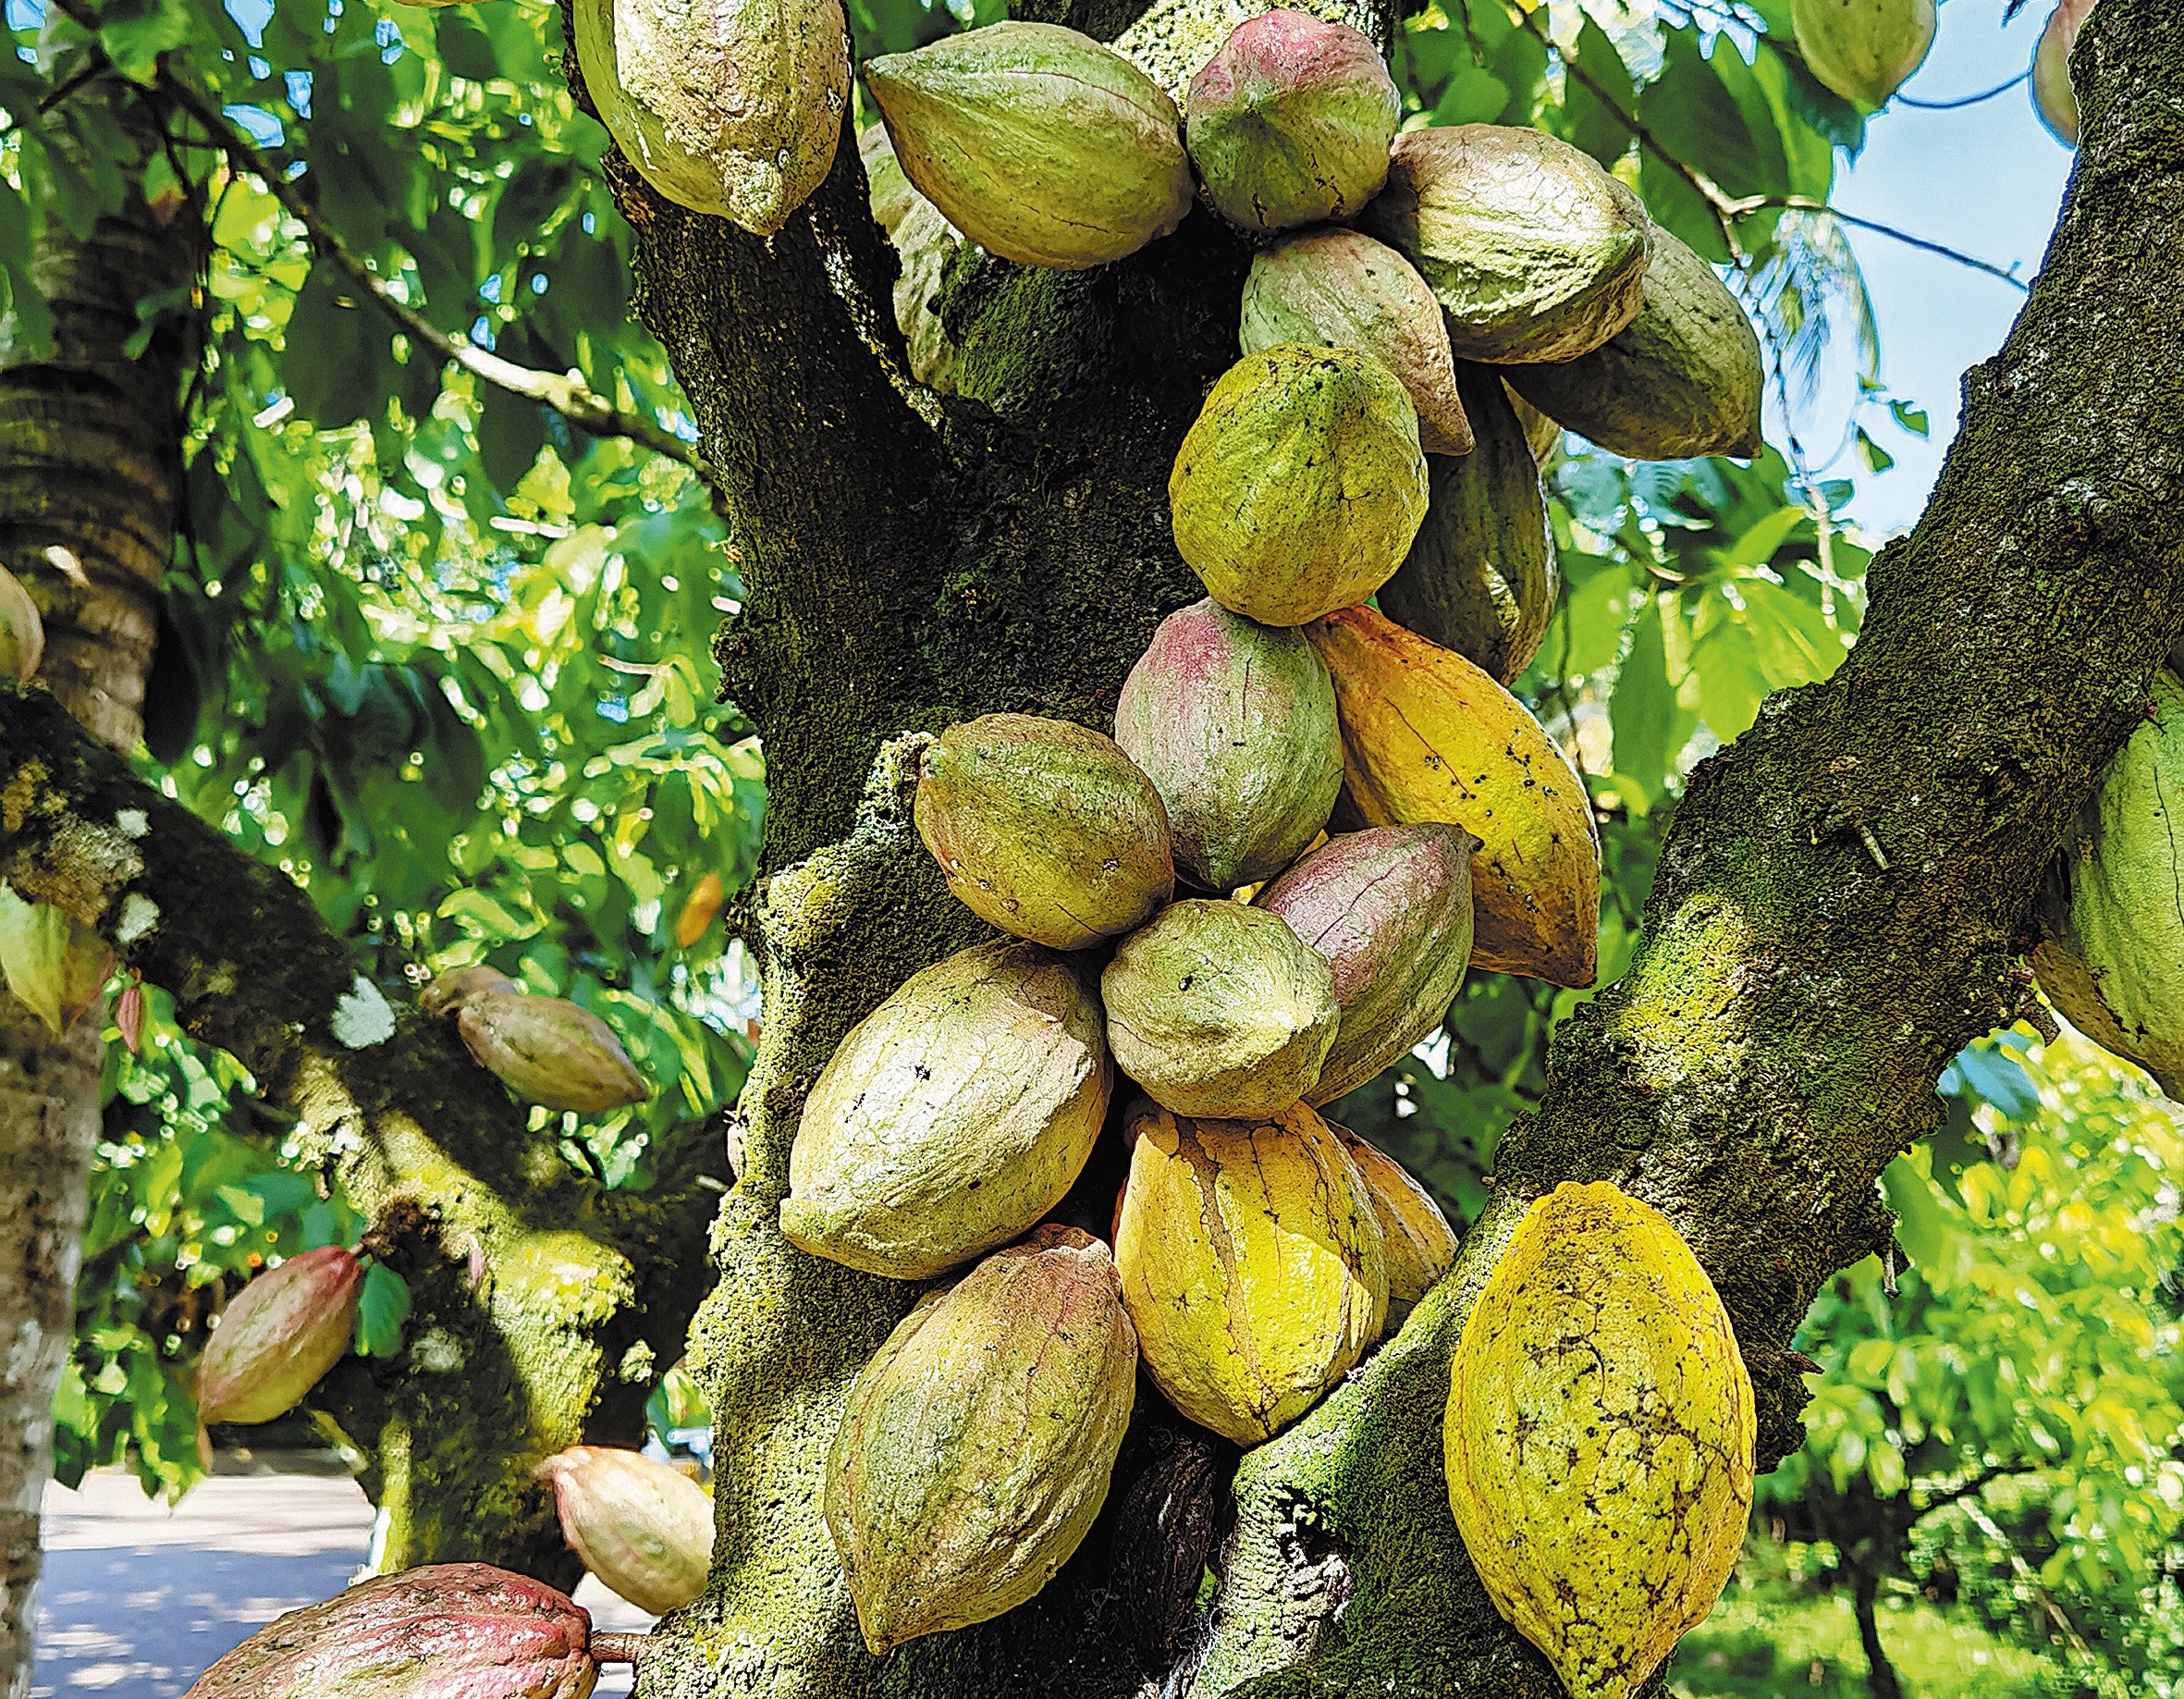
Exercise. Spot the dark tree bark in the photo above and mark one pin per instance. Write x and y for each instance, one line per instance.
(1880, 1677)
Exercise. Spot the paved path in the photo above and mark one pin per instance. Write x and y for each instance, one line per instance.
(139, 1599)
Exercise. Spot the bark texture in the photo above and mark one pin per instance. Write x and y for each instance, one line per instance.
(1838, 908)
(90, 475)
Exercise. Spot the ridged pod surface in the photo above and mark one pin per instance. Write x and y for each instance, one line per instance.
(1482, 576)
(1252, 1264)
(1599, 1438)
(1220, 1009)
(278, 1337)
(1300, 485)
(1683, 380)
(1341, 287)
(2054, 97)
(1390, 910)
(1421, 1245)
(1044, 828)
(1535, 252)
(1037, 143)
(951, 1118)
(977, 1446)
(1864, 50)
(2111, 955)
(1542, 433)
(1290, 122)
(448, 1630)
(550, 1051)
(643, 1528)
(1429, 736)
(725, 106)
(924, 243)
(1234, 722)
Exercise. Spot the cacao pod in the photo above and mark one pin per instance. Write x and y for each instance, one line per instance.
(926, 243)
(1683, 380)
(733, 109)
(1864, 50)
(549, 1051)
(887, 187)
(1300, 485)
(1535, 252)
(1421, 1245)
(448, 1630)
(1252, 1264)
(977, 1446)
(278, 1337)
(1482, 576)
(55, 966)
(1234, 722)
(1542, 433)
(1598, 1439)
(2053, 96)
(1341, 288)
(449, 990)
(1220, 1009)
(1036, 141)
(2111, 950)
(1290, 122)
(1390, 910)
(22, 631)
(1428, 737)
(951, 1118)
(1044, 828)
(644, 1528)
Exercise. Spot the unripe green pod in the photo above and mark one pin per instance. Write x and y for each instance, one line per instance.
(276, 1340)
(1535, 252)
(1234, 722)
(23, 631)
(550, 1051)
(1686, 379)
(1390, 910)
(2054, 96)
(1299, 487)
(1220, 1009)
(643, 1528)
(1290, 122)
(1037, 143)
(1864, 50)
(1044, 828)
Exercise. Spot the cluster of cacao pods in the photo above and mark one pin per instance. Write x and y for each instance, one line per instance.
(544, 1048)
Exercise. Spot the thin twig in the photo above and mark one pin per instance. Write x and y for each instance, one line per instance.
(1805, 203)
(569, 396)
(1963, 100)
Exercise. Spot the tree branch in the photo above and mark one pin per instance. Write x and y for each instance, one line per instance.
(1971, 1488)
(568, 395)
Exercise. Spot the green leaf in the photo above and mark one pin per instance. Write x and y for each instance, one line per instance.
(465, 51)
(382, 1308)
(1643, 712)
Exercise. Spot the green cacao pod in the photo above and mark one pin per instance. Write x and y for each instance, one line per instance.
(644, 1528)
(925, 244)
(285, 1329)
(1542, 433)
(1044, 828)
(1344, 289)
(975, 1448)
(1481, 577)
(1864, 50)
(448, 1630)
(1535, 252)
(23, 631)
(1234, 722)
(1037, 143)
(1683, 380)
(1290, 122)
(1299, 486)
(951, 1118)
(1252, 1264)
(2053, 95)
(550, 1051)
(1421, 1245)
(1220, 1009)
(728, 109)
(2111, 953)
(1599, 1438)
(1389, 910)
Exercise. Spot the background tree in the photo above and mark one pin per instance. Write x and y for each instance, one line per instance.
(390, 743)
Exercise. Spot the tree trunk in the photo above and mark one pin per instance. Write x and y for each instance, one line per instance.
(90, 469)
(1881, 1679)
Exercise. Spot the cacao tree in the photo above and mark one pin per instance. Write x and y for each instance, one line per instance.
(1840, 902)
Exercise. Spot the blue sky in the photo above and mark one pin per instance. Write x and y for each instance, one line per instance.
(1988, 181)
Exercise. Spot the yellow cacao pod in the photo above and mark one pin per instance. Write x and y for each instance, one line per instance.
(1421, 1245)
(1599, 1438)
(1252, 1264)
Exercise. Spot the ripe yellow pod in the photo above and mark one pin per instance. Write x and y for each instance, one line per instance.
(1252, 1264)
(1599, 1438)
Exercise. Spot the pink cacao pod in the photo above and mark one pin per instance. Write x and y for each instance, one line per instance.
(448, 1631)
(643, 1528)
(548, 1049)
(282, 1333)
